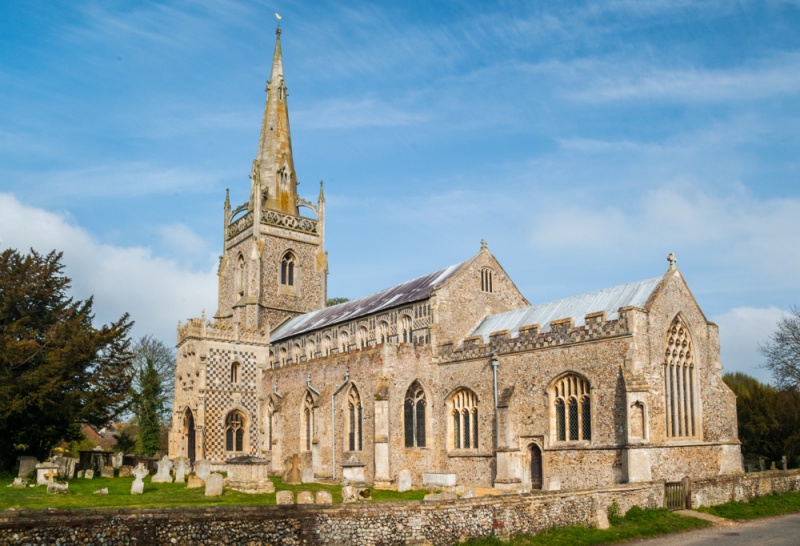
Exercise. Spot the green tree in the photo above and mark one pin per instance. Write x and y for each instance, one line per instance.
(56, 368)
(782, 351)
(152, 388)
(759, 427)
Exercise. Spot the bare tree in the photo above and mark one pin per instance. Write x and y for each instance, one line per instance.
(782, 351)
(153, 385)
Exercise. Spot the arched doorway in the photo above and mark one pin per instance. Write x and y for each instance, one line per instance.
(536, 467)
(188, 433)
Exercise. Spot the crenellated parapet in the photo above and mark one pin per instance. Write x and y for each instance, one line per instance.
(562, 332)
(199, 329)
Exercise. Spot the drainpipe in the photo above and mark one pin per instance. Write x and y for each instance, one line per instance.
(333, 422)
(494, 364)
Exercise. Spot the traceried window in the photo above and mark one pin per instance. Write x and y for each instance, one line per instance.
(573, 409)
(235, 370)
(234, 432)
(486, 280)
(287, 269)
(308, 421)
(414, 416)
(405, 326)
(680, 382)
(464, 420)
(354, 420)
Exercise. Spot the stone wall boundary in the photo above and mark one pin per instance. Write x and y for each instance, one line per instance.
(741, 487)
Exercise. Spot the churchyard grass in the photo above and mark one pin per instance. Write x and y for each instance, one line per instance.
(758, 507)
(160, 495)
(637, 523)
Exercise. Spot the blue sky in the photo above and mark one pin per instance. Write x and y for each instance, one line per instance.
(583, 140)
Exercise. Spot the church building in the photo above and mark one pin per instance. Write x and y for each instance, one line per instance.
(454, 372)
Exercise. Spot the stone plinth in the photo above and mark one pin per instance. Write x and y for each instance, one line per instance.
(249, 475)
(353, 471)
(440, 479)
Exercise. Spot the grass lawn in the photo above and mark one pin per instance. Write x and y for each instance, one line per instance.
(758, 507)
(159, 495)
(637, 523)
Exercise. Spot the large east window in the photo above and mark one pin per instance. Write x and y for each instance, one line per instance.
(680, 382)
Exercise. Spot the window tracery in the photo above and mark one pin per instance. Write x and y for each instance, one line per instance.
(414, 416)
(355, 414)
(234, 431)
(287, 268)
(464, 420)
(680, 383)
(308, 421)
(572, 409)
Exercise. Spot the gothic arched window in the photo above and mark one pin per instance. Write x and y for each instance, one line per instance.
(344, 341)
(680, 382)
(354, 420)
(463, 407)
(234, 431)
(362, 337)
(383, 329)
(414, 416)
(287, 269)
(405, 326)
(572, 409)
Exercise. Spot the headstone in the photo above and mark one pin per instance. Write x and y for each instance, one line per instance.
(308, 476)
(784, 462)
(305, 497)
(107, 472)
(163, 473)
(58, 488)
(202, 469)
(19, 483)
(404, 480)
(194, 482)
(293, 474)
(116, 459)
(27, 465)
(79, 475)
(125, 471)
(89, 474)
(69, 468)
(349, 494)
(181, 464)
(324, 497)
(138, 483)
(214, 485)
(284, 497)
(103, 491)
(46, 473)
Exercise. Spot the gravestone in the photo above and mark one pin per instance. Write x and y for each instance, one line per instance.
(116, 459)
(305, 497)
(46, 473)
(19, 483)
(27, 465)
(284, 497)
(784, 462)
(324, 497)
(293, 474)
(138, 483)
(163, 473)
(103, 491)
(194, 482)
(404, 480)
(182, 466)
(202, 469)
(308, 475)
(349, 494)
(89, 474)
(214, 485)
(80, 473)
(107, 472)
(125, 471)
(58, 488)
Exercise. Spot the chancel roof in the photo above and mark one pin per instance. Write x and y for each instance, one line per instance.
(610, 300)
(411, 291)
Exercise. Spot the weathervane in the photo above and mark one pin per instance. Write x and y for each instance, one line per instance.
(278, 17)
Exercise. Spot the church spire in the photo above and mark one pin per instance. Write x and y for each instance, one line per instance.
(274, 181)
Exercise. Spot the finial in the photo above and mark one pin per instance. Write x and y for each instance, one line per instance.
(484, 244)
(278, 17)
(672, 260)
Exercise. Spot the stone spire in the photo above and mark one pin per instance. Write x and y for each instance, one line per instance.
(274, 181)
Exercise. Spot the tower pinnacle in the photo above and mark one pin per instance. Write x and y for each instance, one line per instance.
(274, 181)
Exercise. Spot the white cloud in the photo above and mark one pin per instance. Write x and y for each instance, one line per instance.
(741, 329)
(157, 292)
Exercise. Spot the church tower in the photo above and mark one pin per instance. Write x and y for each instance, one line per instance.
(274, 265)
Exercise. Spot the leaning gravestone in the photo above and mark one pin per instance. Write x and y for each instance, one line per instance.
(89, 474)
(404, 480)
(163, 473)
(202, 469)
(214, 485)
(284, 497)
(181, 467)
(138, 483)
(194, 482)
(305, 497)
(116, 459)
(349, 494)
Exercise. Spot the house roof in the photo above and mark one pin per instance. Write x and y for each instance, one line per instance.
(410, 291)
(610, 300)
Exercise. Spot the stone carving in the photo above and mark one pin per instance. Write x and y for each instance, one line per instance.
(274, 218)
(182, 467)
(284, 497)
(404, 480)
(139, 474)
(116, 459)
(305, 497)
(202, 469)
(324, 497)
(163, 473)
(214, 485)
